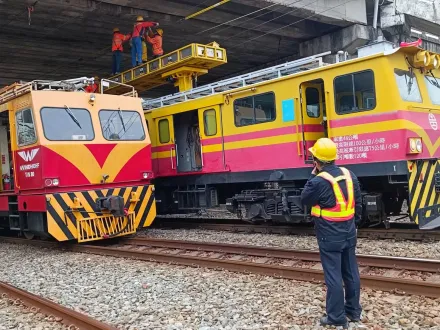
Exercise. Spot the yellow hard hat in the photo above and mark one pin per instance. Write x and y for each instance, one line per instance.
(139, 19)
(159, 32)
(324, 150)
(116, 30)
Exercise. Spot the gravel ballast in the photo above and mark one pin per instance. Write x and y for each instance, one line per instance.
(133, 294)
(388, 247)
(20, 317)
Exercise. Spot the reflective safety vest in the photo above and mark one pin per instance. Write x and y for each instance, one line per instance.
(156, 44)
(118, 39)
(343, 210)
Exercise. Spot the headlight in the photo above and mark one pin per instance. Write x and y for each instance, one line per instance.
(419, 145)
(147, 175)
(415, 145)
(51, 182)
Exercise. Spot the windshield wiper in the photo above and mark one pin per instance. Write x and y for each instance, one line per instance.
(122, 120)
(435, 82)
(69, 112)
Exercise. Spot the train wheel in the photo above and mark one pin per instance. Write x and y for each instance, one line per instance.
(29, 235)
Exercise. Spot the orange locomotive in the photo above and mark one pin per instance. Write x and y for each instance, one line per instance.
(75, 165)
(244, 141)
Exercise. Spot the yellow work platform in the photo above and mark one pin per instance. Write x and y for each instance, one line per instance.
(182, 65)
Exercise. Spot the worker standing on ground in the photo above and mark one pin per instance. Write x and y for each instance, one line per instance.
(155, 39)
(136, 37)
(334, 194)
(117, 49)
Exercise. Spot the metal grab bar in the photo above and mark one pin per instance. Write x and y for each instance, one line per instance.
(201, 153)
(177, 156)
(171, 158)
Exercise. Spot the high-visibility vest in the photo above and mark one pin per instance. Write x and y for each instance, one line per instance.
(118, 39)
(156, 44)
(344, 209)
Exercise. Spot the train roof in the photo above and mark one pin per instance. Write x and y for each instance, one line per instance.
(279, 72)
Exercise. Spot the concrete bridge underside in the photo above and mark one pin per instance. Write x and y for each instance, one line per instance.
(71, 38)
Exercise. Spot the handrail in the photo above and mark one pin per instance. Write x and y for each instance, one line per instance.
(133, 90)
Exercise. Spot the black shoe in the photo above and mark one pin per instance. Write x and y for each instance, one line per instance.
(325, 321)
(353, 319)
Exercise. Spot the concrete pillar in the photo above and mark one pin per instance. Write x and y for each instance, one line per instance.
(347, 39)
(420, 14)
(399, 17)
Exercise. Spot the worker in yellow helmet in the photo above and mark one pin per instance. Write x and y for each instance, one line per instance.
(155, 39)
(117, 49)
(136, 37)
(334, 195)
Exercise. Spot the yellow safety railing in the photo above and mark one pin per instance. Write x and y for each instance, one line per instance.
(194, 57)
(107, 226)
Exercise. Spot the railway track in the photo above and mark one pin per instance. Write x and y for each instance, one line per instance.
(399, 275)
(399, 231)
(36, 304)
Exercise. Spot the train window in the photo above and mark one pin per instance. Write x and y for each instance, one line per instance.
(25, 127)
(313, 102)
(76, 124)
(164, 131)
(122, 125)
(433, 84)
(210, 122)
(355, 92)
(408, 86)
(254, 109)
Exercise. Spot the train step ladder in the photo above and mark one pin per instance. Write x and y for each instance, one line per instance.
(247, 79)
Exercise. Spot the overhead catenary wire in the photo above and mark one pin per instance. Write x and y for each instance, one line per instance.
(192, 8)
(286, 13)
(237, 18)
(290, 24)
(254, 17)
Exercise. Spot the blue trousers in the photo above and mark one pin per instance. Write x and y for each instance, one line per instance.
(117, 59)
(339, 263)
(136, 51)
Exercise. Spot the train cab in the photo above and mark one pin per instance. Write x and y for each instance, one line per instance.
(79, 163)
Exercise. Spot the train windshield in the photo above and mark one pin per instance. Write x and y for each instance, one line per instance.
(67, 124)
(433, 84)
(121, 125)
(408, 87)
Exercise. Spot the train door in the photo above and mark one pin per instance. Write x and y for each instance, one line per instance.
(187, 141)
(166, 147)
(313, 114)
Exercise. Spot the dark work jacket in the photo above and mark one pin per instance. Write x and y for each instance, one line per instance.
(319, 191)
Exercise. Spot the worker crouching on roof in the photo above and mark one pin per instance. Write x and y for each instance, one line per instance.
(138, 32)
(117, 49)
(155, 39)
(334, 194)
(93, 88)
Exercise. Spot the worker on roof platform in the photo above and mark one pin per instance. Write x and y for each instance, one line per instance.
(138, 32)
(155, 39)
(117, 49)
(334, 195)
(93, 88)
(144, 51)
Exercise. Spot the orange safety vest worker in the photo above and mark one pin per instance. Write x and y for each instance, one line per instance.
(139, 28)
(118, 40)
(156, 44)
(344, 209)
(92, 88)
